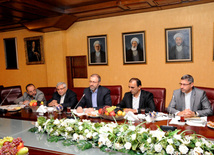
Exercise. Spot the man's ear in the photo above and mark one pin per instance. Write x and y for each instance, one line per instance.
(192, 84)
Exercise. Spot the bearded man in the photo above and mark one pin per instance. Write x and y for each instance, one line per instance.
(135, 53)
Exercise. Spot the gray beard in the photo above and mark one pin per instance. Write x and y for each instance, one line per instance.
(134, 48)
(179, 48)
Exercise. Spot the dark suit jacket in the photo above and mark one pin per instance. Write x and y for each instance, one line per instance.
(69, 101)
(102, 54)
(146, 101)
(199, 102)
(103, 98)
(129, 54)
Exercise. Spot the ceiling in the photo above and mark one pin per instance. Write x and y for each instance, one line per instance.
(53, 15)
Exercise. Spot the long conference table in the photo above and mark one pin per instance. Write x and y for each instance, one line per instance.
(17, 124)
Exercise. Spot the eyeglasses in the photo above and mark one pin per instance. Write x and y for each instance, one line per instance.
(60, 89)
(93, 82)
(184, 84)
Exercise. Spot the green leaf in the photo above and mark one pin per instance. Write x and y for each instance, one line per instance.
(83, 145)
(55, 138)
(69, 142)
(33, 129)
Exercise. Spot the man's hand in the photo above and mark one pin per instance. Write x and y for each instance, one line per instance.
(26, 102)
(187, 113)
(53, 103)
(129, 109)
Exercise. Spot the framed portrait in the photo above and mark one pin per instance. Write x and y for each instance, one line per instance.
(178, 44)
(134, 51)
(34, 50)
(97, 50)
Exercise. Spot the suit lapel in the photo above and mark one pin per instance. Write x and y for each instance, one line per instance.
(98, 94)
(192, 99)
(183, 101)
(141, 100)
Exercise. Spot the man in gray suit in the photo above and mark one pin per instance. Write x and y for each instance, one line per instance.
(189, 101)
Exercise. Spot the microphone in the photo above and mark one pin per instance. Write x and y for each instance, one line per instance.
(6, 96)
(167, 127)
(79, 101)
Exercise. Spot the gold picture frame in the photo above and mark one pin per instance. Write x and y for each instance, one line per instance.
(34, 50)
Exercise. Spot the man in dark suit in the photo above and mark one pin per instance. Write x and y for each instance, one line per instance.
(135, 53)
(137, 99)
(98, 56)
(63, 96)
(96, 96)
(189, 101)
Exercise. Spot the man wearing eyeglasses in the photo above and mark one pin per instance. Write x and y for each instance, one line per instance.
(189, 101)
(96, 96)
(31, 94)
(63, 96)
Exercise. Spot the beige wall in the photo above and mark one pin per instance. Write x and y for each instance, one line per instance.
(156, 73)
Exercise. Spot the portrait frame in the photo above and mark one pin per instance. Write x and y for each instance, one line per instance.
(178, 43)
(100, 43)
(34, 51)
(128, 52)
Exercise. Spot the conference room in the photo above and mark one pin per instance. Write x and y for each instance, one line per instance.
(65, 48)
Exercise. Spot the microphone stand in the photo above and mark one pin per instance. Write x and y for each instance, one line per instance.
(167, 127)
(68, 116)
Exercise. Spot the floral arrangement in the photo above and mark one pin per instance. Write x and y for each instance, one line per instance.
(125, 138)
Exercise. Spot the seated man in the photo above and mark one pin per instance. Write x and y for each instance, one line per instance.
(189, 101)
(137, 99)
(31, 94)
(96, 96)
(63, 96)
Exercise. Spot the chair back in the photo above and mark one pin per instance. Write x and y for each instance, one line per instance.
(78, 91)
(10, 94)
(159, 96)
(116, 94)
(1, 87)
(48, 92)
(209, 93)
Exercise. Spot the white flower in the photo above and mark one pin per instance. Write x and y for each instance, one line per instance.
(169, 149)
(185, 141)
(108, 143)
(158, 147)
(183, 149)
(132, 127)
(158, 134)
(121, 129)
(149, 140)
(40, 129)
(75, 136)
(56, 122)
(86, 131)
(80, 128)
(142, 130)
(69, 128)
(128, 145)
(198, 144)
(56, 133)
(118, 146)
(207, 153)
(81, 137)
(133, 136)
(36, 124)
(94, 134)
(80, 123)
(142, 148)
(170, 141)
(198, 150)
(178, 137)
(89, 135)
